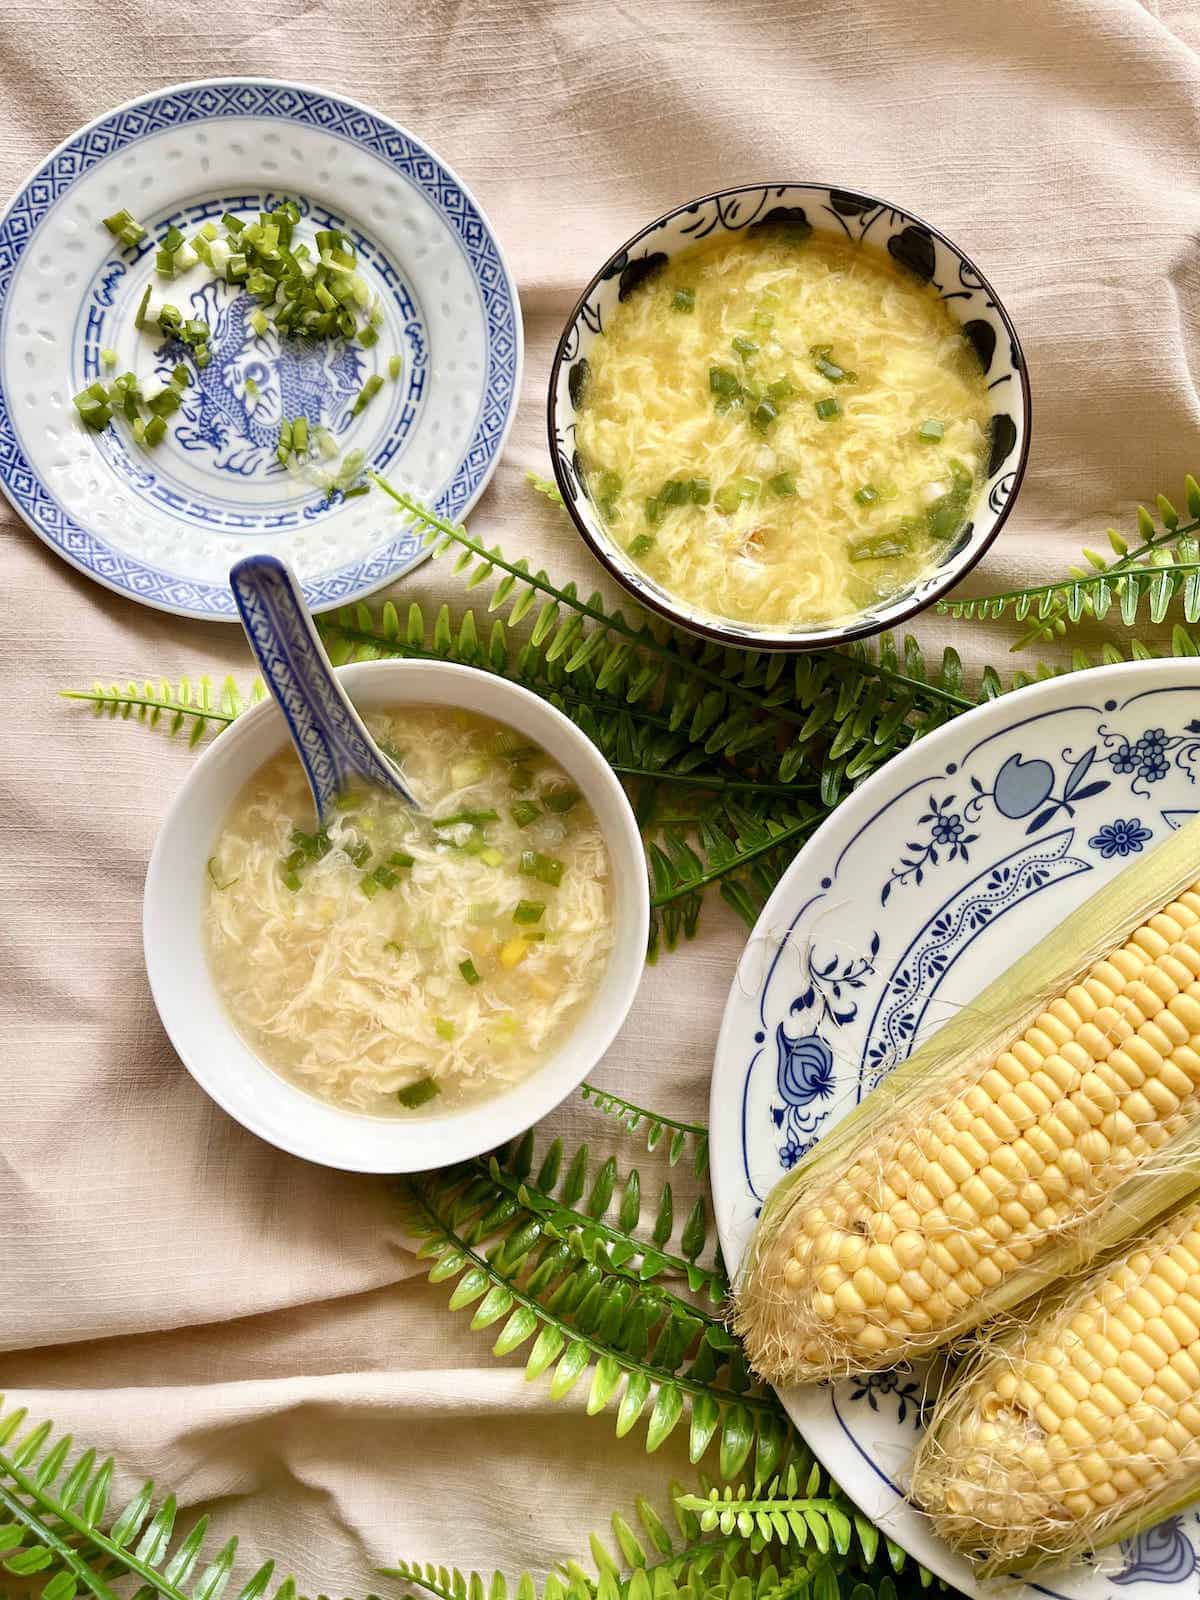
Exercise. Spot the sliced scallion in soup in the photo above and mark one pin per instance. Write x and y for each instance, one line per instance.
(823, 396)
(399, 960)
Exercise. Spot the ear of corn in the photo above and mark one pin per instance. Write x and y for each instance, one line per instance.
(1051, 1119)
(1081, 1425)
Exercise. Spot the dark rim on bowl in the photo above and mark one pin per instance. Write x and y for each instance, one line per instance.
(728, 635)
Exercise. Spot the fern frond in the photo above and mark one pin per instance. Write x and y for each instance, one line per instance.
(546, 486)
(57, 1528)
(654, 1126)
(800, 1504)
(1141, 583)
(586, 1318)
(600, 1214)
(172, 706)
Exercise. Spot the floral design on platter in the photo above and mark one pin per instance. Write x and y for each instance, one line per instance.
(917, 975)
(1121, 837)
(1026, 789)
(1162, 1554)
(233, 408)
(805, 1072)
(947, 840)
(896, 1384)
(1148, 758)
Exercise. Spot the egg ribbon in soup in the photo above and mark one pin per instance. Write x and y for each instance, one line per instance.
(399, 959)
(783, 428)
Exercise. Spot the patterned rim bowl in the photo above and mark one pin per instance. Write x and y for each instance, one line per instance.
(839, 214)
(194, 1014)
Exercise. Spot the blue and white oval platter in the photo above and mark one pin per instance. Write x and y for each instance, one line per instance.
(927, 881)
(164, 525)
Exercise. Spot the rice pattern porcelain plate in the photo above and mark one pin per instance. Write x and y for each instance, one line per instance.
(165, 525)
(931, 878)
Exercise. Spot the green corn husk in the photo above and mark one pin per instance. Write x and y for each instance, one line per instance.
(786, 1340)
(980, 1473)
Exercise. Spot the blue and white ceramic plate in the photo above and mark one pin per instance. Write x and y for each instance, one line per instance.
(936, 874)
(165, 525)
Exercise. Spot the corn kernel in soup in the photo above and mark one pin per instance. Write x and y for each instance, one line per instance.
(783, 428)
(401, 959)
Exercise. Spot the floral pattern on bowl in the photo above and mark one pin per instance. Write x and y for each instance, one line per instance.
(838, 212)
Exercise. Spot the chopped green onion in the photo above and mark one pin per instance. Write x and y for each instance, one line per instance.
(123, 226)
(359, 853)
(727, 499)
(523, 812)
(251, 388)
(560, 800)
(469, 972)
(385, 877)
(491, 857)
(368, 336)
(723, 382)
(931, 430)
(231, 223)
(830, 369)
(156, 431)
(300, 434)
(443, 1028)
(368, 885)
(886, 547)
(165, 402)
(291, 879)
(522, 777)
(529, 911)
(654, 512)
(258, 321)
(475, 818)
(395, 367)
(366, 394)
(781, 389)
(744, 347)
(210, 230)
(108, 357)
(139, 317)
(763, 415)
(95, 412)
(216, 882)
(546, 869)
(359, 489)
(828, 408)
(674, 492)
(400, 858)
(424, 1090)
(683, 300)
(181, 377)
(699, 491)
(867, 494)
(285, 434)
(641, 545)
(782, 483)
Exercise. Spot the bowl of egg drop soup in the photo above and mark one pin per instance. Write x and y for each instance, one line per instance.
(787, 416)
(401, 989)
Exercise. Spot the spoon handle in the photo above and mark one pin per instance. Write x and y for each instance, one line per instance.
(330, 738)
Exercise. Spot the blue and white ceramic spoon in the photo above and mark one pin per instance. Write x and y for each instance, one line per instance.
(329, 735)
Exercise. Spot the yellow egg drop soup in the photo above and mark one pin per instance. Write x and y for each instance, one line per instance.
(782, 428)
(400, 958)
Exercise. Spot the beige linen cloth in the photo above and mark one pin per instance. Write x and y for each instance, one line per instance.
(248, 1329)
